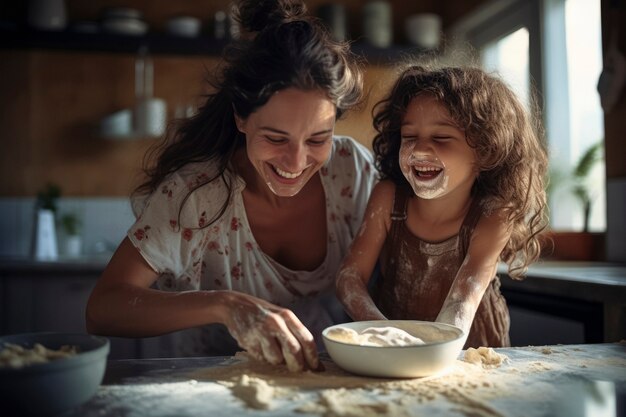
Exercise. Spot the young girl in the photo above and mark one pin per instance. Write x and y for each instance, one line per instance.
(462, 169)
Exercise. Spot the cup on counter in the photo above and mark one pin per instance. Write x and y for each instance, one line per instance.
(117, 125)
(220, 24)
(377, 23)
(184, 26)
(333, 15)
(73, 246)
(424, 30)
(150, 117)
(47, 14)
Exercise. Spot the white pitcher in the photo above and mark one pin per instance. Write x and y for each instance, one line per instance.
(45, 245)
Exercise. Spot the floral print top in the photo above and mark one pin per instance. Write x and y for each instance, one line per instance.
(188, 255)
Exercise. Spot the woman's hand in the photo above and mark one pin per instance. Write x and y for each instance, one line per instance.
(270, 333)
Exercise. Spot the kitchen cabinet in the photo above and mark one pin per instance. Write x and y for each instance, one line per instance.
(156, 43)
(40, 301)
(590, 296)
(52, 297)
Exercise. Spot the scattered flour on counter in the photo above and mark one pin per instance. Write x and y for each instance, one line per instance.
(351, 403)
(255, 392)
(539, 366)
(484, 356)
(263, 386)
(374, 336)
(464, 390)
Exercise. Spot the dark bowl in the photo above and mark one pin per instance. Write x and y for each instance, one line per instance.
(58, 385)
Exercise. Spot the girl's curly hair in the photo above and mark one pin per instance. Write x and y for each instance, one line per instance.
(508, 140)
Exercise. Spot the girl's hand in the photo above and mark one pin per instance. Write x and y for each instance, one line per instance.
(270, 333)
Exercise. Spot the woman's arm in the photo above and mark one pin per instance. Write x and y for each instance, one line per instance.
(123, 304)
(479, 267)
(358, 265)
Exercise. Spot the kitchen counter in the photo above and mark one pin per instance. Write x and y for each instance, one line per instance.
(562, 380)
(593, 293)
(589, 281)
(94, 264)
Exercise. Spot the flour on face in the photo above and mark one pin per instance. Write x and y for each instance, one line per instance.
(427, 177)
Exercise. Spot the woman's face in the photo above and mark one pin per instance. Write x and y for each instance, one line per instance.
(435, 157)
(290, 138)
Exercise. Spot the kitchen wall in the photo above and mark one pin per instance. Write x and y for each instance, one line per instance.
(104, 222)
(53, 102)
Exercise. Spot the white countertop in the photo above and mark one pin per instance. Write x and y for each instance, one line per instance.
(556, 381)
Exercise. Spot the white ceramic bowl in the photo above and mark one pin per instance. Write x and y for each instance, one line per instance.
(424, 30)
(186, 26)
(443, 343)
(55, 386)
(117, 125)
(124, 26)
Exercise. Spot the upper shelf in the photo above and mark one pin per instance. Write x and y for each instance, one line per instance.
(157, 43)
(160, 43)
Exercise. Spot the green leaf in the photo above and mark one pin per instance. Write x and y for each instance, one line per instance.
(48, 196)
(586, 162)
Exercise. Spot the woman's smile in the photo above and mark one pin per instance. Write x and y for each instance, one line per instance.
(287, 174)
(289, 139)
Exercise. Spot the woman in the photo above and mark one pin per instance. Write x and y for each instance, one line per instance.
(246, 215)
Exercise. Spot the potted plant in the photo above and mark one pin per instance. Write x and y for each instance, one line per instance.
(71, 224)
(47, 197)
(581, 188)
(580, 245)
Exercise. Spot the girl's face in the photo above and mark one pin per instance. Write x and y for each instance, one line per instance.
(290, 138)
(435, 157)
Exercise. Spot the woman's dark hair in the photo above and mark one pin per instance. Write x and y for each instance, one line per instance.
(507, 139)
(283, 48)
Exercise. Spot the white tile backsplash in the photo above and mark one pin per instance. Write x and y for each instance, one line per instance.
(104, 223)
(16, 226)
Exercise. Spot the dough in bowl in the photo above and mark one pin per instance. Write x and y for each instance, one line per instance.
(374, 336)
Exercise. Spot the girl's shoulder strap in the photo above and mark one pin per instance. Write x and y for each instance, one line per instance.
(469, 224)
(400, 201)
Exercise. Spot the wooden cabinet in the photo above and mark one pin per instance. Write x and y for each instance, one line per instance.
(40, 302)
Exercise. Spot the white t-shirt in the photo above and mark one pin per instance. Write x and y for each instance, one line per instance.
(188, 255)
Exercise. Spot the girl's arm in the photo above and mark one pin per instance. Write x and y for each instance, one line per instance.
(358, 265)
(123, 304)
(479, 267)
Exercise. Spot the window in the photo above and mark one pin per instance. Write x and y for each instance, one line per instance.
(555, 47)
(509, 57)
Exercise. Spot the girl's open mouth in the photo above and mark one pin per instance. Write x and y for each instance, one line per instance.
(427, 173)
